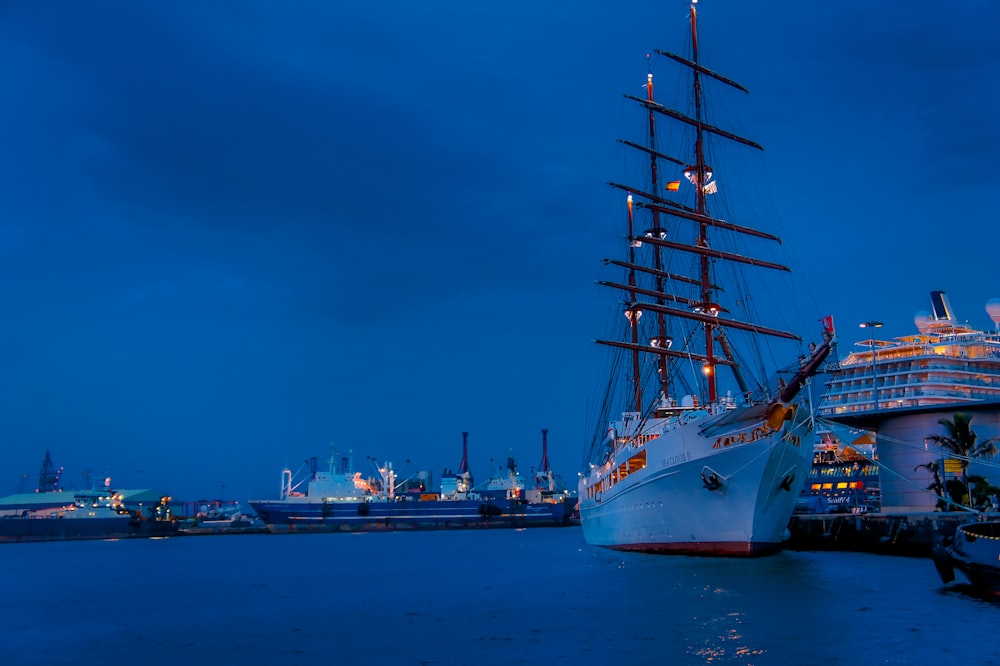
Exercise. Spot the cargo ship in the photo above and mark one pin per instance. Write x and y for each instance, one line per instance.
(340, 499)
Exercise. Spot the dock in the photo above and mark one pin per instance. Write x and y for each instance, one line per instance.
(908, 535)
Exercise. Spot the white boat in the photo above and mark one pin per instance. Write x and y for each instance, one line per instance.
(975, 551)
(688, 468)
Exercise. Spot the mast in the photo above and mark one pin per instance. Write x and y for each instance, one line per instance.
(48, 476)
(702, 208)
(656, 231)
(463, 467)
(653, 284)
(543, 466)
(728, 353)
(633, 314)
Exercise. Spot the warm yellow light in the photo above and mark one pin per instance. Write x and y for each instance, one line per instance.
(707, 369)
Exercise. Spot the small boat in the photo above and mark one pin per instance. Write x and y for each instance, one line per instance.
(975, 551)
(677, 463)
(340, 499)
(219, 518)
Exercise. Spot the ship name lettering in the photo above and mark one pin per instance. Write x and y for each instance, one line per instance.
(761, 431)
(676, 460)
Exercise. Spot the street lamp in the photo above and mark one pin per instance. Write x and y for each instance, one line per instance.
(871, 344)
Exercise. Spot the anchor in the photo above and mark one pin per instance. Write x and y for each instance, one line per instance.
(712, 480)
(787, 480)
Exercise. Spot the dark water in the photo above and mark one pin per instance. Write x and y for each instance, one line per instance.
(536, 596)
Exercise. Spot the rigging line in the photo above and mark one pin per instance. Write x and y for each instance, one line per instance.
(808, 424)
(766, 352)
(780, 225)
(612, 364)
(681, 376)
(985, 462)
(764, 451)
(612, 389)
(694, 374)
(779, 294)
(914, 484)
(978, 461)
(954, 456)
(645, 415)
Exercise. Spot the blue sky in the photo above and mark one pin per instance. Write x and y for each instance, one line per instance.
(234, 234)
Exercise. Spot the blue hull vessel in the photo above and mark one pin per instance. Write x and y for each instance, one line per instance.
(282, 516)
(340, 500)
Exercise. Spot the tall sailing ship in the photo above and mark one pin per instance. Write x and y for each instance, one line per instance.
(686, 468)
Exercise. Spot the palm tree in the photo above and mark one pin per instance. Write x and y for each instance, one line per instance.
(938, 485)
(984, 492)
(963, 442)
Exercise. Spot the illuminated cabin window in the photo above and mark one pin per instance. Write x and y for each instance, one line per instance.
(641, 440)
(637, 462)
(630, 466)
(842, 485)
(827, 486)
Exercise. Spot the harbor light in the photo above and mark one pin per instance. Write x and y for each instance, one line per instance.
(871, 344)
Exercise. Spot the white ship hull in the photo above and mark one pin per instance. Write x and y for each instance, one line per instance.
(667, 506)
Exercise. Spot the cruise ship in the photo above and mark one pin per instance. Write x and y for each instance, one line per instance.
(945, 363)
(901, 388)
